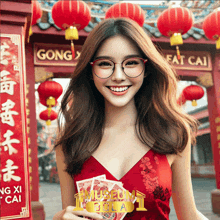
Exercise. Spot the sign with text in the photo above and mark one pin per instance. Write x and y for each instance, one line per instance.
(55, 55)
(189, 60)
(14, 175)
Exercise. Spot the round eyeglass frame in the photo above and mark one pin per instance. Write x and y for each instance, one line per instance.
(144, 60)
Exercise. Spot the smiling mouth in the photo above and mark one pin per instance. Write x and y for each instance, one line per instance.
(118, 89)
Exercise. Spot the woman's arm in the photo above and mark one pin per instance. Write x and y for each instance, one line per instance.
(68, 192)
(66, 181)
(182, 191)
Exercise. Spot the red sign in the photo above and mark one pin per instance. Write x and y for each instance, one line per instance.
(14, 175)
(55, 55)
(189, 60)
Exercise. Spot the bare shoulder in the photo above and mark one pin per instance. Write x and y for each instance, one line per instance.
(171, 158)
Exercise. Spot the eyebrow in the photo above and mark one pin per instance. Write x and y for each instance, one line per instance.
(112, 58)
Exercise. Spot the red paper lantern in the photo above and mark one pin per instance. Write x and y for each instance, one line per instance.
(173, 22)
(71, 15)
(193, 93)
(211, 27)
(49, 92)
(36, 12)
(48, 116)
(127, 10)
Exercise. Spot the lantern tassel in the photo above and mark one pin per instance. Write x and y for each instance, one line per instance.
(194, 103)
(72, 49)
(218, 43)
(48, 122)
(30, 33)
(71, 33)
(178, 52)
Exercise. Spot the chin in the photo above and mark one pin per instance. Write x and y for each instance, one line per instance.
(119, 103)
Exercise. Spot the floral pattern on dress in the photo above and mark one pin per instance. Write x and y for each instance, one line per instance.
(160, 193)
(150, 179)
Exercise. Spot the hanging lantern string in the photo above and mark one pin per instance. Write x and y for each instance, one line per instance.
(72, 49)
(178, 52)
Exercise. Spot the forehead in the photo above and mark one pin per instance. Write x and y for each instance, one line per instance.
(118, 47)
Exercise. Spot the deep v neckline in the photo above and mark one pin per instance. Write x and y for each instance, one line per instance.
(128, 170)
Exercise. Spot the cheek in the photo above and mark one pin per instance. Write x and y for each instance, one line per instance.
(138, 81)
(99, 83)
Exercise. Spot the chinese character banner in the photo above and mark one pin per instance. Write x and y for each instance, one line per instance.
(14, 176)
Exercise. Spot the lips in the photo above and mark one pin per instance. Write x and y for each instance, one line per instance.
(118, 90)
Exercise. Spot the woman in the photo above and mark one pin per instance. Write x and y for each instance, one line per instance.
(122, 120)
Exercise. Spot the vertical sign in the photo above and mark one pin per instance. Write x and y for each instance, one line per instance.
(14, 175)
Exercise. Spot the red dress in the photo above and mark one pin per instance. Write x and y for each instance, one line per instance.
(151, 175)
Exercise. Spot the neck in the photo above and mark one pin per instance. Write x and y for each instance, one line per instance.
(120, 117)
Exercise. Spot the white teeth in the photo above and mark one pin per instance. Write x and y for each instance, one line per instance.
(118, 89)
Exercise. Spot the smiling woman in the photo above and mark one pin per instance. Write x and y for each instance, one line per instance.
(122, 120)
(123, 79)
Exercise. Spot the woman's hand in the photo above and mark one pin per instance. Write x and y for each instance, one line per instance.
(69, 214)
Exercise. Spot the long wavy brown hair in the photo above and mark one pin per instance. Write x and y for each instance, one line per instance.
(159, 115)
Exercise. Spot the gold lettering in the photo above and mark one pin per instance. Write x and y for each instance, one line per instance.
(48, 55)
(199, 61)
(41, 54)
(218, 137)
(181, 59)
(78, 203)
(67, 55)
(218, 128)
(175, 60)
(123, 194)
(190, 60)
(140, 201)
(112, 194)
(106, 194)
(88, 196)
(130, 196)
(58, 54)
(105, 206)
(169, 57)
(217, 120)
(27, 102)
(27, 111)
(205, 61)
(96, 195)
(218, 144)
(77, 55)
(97, 206)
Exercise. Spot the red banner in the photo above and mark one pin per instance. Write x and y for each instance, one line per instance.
(14, 170)
(189, 60)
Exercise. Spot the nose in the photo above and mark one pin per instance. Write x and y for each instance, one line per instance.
(118, 73)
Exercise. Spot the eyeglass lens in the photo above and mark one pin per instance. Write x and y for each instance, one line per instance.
(132, 67)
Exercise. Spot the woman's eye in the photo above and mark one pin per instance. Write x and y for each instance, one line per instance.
(104, 64)
(131, 63)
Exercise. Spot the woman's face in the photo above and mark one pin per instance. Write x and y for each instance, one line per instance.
(118, 89)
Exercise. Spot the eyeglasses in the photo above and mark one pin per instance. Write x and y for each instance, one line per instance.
(132, 67)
